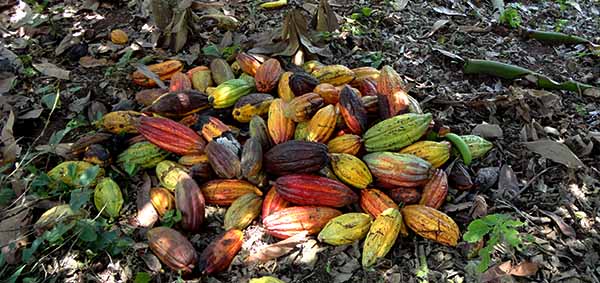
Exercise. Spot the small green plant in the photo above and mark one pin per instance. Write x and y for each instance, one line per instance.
(374, 59)
(511, 17)
(170, 218)
(560, 24)
(364, 13)
(500, 228)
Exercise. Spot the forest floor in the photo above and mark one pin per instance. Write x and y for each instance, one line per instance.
(41, 58)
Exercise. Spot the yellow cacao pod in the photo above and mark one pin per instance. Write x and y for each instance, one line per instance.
(382, 236)
(351, 170)
(436, 153)
(347, 143)
(432, 224)
(334, 74)
(322, 124)
(242, 211)
(345, 229)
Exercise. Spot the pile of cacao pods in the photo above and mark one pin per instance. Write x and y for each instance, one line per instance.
(305, 148)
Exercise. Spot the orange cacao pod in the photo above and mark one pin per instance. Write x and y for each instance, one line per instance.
(164, 70)
(172, 248)
(248, 63)
(180, 82)
(329, 93)
(301, 108)
(280, 128)
(170, 135)
(217, 256)
(366, 86)
(283, 87)
(267, 75)
(374, 202)
(389, 81)
(353, 111)
(225, 191)
(273, 202)
(293, 220)
(162, 200)
(295, 157)
(436, 190)
(190, 201)
(431, 223)
(305, 189)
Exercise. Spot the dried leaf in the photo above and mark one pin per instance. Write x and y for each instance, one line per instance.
(65, 44)
(508, 185)
(146, 214)
(555, 151)
(486, 130)
(32, 114)
(326, 21)
(62, 149)
(278, 249)
(436, 26)
(12, 231)
(449, 12)
(52, 70)
(11, 150)
(6, 82)
(564, 227)
(91, 62)
(479, 207)
(525, 268)
(149, 74)
(79, 104)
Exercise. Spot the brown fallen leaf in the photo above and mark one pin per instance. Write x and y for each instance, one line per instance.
(51, 70)
(525, 268)
(508, 185)
(556, 152)
(325, 20)
(13, 229)
(278, 249)
(91, 62)
(564, 227)
(436, 26)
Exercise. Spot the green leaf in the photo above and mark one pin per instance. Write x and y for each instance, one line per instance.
(6, 195)
(87, 230)
(28, 252)
(79, 198)
(211, 50)
(142, 277)
(55, 236)
(50, 99)
(130, 168)
(13, 278)
(485, 255)
(366, 11)
(476, 231)
(512, 237)
(89, 175)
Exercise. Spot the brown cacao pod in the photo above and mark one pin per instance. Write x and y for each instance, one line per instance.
(295, 157)
(119, 122)
(252, 158)
(329, 93)
(221, 71)
(179, 103)
(217, 256)
(353, 111)
(374, 202)
(171, 136)
(305, 189)
(293, 220)
(147, 96)
(248, 63)
(347, 143)
(164, 70)
(460, 178)
(404, 195)
(280, 128)
(190, 201)
(223, 160)
(180, 82)
(302, 83)
(97, 154)
(301, 108)
(173, 249)
(267, 75)
(79, 146)
(431, 223)
(162, 200)
(366, 87)
(225, 191)
(242, 211)
(436, 190)
(321, 125)
(273, 202)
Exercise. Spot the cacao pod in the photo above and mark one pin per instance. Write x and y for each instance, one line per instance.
(162, 200)
(301, 83)
(283, 87)
(219, 254)
(163, 70)
(312, 65)
(190, 201)
(280, 128)
(398, 169)
(242, 211)
(58, 214)
(366, 87)
(329, 93)
(436, 153)
(351, 170)
(374, 202)
(293, 220)
(201, 78)
(142, 154)
(201, 172)
(248, 63)
(321, 125)
(301, 131)
(108, 198)
(347, 143)
(353, 111)
(171, 136)
(413, 105)
(405, 195)
(224, 192)
(431, 224)
(180, 82)
(172, 248)
(258, 130)
(119, 122)
(295, 157)
(382, 236)
(252, 105)
(345, 229)
(305, 189)
(302, 107)
(79, 146)
(265, 279)
(371, 103)
(361, 73)
(118, 36)
(252, 158)
(221, 71)
(396, 132)
(180, 103)
(147, 96)
(389, 81)
(228, 93)
(192, 159)
(224, 162)
(460, 178)
(273, 202)
(436, 190)
(169, 173)
(334, 74)
(477, 145)
(267, 75)
(70, 173)
(97, 154)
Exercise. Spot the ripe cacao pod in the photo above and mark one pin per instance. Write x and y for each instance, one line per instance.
(147, 96)
(201, 78)
(436, 153)
(334, 74)
(301, 131)
(70, 173)
(248, 63)
(252, 158)
(273, 202)
(163, 70)
(436, 190)
(365, 73)
(190, 201)
(219, 254)
(280, 128)
(170, 135)
(267, 75)
(301, 83)
(180, 82)
(321, 125)
(179, 103)
(381, 237)
(396, 132)
(221, 71)
(398, 169)
(108, 198)
(229, 92)
(224, 162)
(347, 143)
(169, 173)
(351, 170)
(172, 248)
(283, 87)
(192, 159)
(371, 103)
(312, 65)
(404, 195)
(389, 81)
(79, 146)
(118, 36)
(242, 211)
(293, 220)
(225, 191)
(97, 154)
(345, 229)
(302, 107)
(366, 87)
(162, 200)
(413, 105)
(305, 189)
(353, 111)
(119, 122)
(374, 202)
(258, 130)
(329, 93)
(295, 157)
(431, 223)
(252, 105)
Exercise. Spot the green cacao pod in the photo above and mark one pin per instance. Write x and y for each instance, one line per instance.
(108, 198)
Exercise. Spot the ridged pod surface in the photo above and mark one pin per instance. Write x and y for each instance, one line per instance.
(180, 103)
(371, 103)
(163, 70)
(295, 157)
(334, 74)
(436, 190)
(353, 111)
(143, 154)
(170, 135)
(173, 249)
(351, 170)
(347, 143)
(436, 153)
(190, 201)
(389, 81)
(251, 105)
(225, 191)
(258, 130)
(119, 122)
(201, 78)
(398, 169)
(147, 96)
(224, 162)
(219, 254)
(248, 63)
(432, 224)
(381, 237)
(374, 202)
(273, 202)
(404, 195)
(179, 82)
(301, 83)
(312, 65)
(242, 211)
(162, 200)
(477, 145)
(396, 132)
(302, 107)
(346, 229)
(321, 125)
(267, 75)
(365, 73)
(293, 220)
(108, 198)
(228, 93)
(252, 158)
(305, 189)
(301, 131)
(221, 71)
(366, 87)
(280, 128)
(283, 87)
(192, 159)
(329, 93)
(169, 173)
